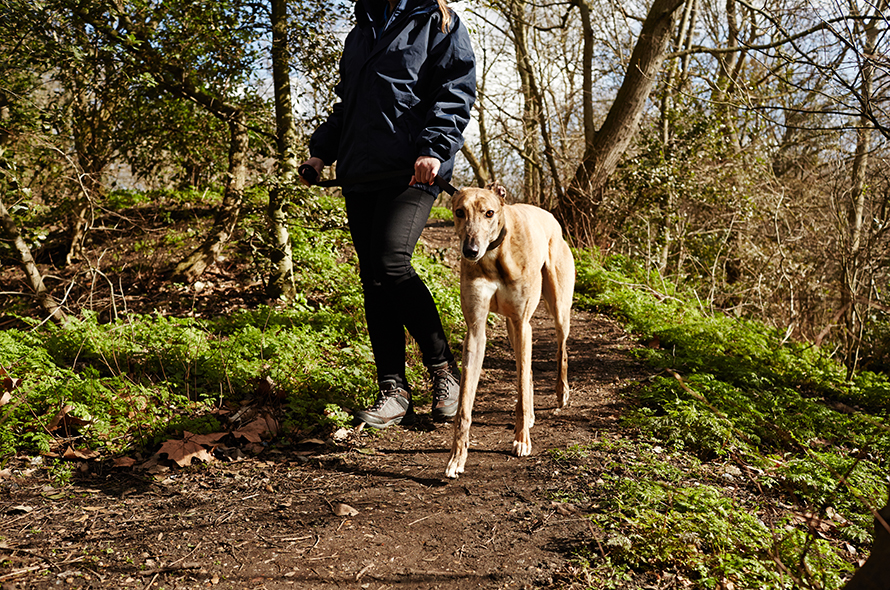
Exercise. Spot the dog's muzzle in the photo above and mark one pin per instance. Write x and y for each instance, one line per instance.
(470, 250)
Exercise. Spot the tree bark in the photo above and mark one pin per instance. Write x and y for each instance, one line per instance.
(875, 574)
(26, 260)
(95, 144)
(281, 281)
(227, 215)
(514, 12)
(851, 265)
(673, 78)
(728, 67)
(604, 148)
(486, 165)
(683, 39)
(479, 172)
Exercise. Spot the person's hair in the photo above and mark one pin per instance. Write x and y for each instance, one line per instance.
(446, 15)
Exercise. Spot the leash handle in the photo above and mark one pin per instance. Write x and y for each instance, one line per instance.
(308, 173)
(444, 185)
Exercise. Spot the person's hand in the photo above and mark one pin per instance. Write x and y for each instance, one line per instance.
(425, 170)
(314, 163)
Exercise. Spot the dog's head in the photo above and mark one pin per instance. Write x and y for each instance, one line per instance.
(478, 219)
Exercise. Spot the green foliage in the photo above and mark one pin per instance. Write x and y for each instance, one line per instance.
(127, 198)
(139, 378)
(815, 560)
(113, 405)
(441, 213)
(60, 472)
(735, 391)
(698, 529)
(666, 513)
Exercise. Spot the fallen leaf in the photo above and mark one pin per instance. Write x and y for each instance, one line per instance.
(254, 448)
(124, 461)
(54, 423)
(183, 451)
(345, 510)
(207, 439)
(814, 521)
(9, 383)
(64, 419)
(255, 431)
(85, 454)
(20, 509)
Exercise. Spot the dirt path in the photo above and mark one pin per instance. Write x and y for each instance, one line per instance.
(271, 522)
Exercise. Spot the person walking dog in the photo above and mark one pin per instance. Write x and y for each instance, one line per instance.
(407, 84)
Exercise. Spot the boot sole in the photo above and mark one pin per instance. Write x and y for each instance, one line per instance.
(405, 420)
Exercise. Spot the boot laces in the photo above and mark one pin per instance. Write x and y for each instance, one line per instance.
(386, 393)
(443, 379)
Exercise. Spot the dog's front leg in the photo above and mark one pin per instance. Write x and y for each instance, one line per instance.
(474, 353)
(525, 405)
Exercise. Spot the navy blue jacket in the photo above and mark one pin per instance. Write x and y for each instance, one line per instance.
(405, 91)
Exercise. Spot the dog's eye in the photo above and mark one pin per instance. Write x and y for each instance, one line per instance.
(459, 213)
(489, 213)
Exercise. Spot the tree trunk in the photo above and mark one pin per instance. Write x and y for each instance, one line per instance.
(604, 148)
(93, 144)
(486, 164)
(227, 214)
(665, 234)
(673, 79)
(851, 265)
(479, 172)
(35, 279)
(514, 11)
(875, 573)
(728, 67)
(281, 281)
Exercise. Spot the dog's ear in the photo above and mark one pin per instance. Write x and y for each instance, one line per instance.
(498, 189)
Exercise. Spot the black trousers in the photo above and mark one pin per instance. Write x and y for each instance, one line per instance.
(385, 226)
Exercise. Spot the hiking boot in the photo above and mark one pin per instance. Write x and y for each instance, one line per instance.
(393, 406)
(446, 390)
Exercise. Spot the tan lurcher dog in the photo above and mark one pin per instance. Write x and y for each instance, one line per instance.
(511, 255)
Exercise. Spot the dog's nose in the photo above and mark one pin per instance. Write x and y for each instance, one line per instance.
(470, 250)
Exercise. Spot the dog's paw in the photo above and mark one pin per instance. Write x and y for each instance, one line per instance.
(453, 470)
(522, 449)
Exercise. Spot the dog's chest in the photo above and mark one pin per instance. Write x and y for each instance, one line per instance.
(489, 282)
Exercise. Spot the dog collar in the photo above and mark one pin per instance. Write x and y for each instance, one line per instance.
(498, 240)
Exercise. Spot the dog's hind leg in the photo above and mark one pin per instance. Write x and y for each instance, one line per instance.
(525, 405)
(558, 287)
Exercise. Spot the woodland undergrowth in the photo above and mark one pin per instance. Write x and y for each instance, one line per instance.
(746, 460)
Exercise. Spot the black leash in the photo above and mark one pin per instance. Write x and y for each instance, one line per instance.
(310, 175)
